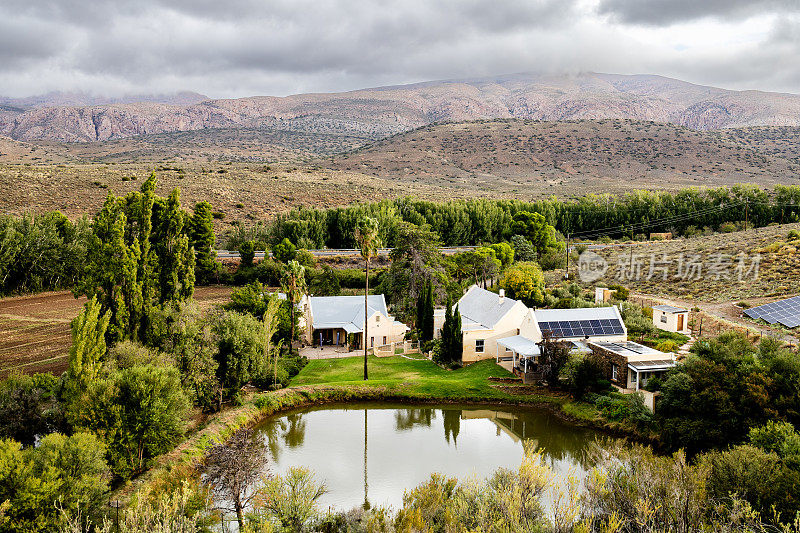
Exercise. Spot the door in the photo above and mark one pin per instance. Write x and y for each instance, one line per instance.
(680, 322)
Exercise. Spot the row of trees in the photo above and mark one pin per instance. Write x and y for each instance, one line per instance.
(471, 222)
(139, 248)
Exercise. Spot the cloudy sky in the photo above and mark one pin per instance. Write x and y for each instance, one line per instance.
(229, 48)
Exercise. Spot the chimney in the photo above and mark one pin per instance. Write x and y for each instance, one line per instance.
(502, 294)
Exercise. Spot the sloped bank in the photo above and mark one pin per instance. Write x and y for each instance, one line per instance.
(183, 461)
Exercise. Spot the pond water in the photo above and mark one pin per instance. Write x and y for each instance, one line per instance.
(374, 452)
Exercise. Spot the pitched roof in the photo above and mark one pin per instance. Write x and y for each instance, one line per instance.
(581, 313)
(344, 312)
(482, 309)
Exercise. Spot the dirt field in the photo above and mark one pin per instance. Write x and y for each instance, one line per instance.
(35, 330)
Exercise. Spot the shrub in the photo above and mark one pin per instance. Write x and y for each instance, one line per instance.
(138, 412)
(727, 227)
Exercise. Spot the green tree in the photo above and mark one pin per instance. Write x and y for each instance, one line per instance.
(87, 352)
(452, 343)
(139, 413)
(201, 239)
(325, 282)
(291, 498)
(523, 249)
(29, 407)
(294, 285)
(66, 472)
(366, 235)
(534, 227)
(425, 313)
(284, 251)
(175, 257)
(246, 254)
(504, 253)
(240, 353)
(184, 333)
(525, 282)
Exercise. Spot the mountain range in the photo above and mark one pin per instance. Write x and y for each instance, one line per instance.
(373, 114)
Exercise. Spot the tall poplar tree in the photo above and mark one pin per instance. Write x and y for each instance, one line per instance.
(201, 238)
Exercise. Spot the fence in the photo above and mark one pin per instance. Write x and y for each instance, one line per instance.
(396, 348)
(703, 324)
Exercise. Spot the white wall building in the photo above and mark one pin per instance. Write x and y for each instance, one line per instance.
(330, 319)
(670, 318)
(494, 326)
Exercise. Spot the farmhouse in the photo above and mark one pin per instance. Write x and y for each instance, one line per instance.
(486, 318)
(669, 318)
(494, 326)
(339, 321)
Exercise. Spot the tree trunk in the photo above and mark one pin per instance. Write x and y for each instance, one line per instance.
(366, 294)
(239, 514)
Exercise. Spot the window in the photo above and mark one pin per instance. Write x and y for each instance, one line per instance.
(614, 372)
(372, 342)
(377, 318)
(664, 318)
(384, 340)
(478, 345)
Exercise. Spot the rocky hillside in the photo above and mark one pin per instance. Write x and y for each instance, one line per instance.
(380, 112)
(571, 158)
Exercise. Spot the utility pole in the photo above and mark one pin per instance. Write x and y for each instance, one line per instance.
(566, 263)
(746, 205)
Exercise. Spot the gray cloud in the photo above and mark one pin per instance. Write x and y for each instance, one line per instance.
(245, 47)
(661, 12)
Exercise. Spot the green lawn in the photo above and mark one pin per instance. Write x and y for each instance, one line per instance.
(414, 378)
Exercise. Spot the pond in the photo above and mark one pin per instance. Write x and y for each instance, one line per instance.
(374, 452)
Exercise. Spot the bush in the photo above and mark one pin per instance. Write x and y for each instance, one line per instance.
(61, 472)
(29, 407)
(793, 235)
(628, 408)
(759, 477)
(552, 261)
(727, 227)
(139, 413)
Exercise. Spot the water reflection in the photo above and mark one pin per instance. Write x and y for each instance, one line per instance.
(370, 454)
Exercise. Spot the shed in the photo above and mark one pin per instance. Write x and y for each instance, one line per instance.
(671, 318)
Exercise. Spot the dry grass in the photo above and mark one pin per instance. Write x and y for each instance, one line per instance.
(778, 273)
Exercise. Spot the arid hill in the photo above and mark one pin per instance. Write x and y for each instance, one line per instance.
(572, 158)
(380, 112)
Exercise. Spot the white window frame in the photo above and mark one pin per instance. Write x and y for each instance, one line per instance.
(614, 372)
(479, 348)
(664, 318)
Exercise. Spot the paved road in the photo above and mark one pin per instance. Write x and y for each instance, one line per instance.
(327, 252)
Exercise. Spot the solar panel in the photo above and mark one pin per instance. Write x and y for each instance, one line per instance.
(583, 328)
(785, 312)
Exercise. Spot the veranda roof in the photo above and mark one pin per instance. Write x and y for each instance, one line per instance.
(521, 345)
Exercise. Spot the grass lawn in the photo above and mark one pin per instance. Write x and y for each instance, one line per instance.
(415, 379)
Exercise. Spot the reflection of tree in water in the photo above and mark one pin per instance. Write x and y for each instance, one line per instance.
(289, 430)
(558, 440)
(452, 424)
(405, 419)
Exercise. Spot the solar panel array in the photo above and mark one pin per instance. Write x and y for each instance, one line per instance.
(583, 328)
(786, 312)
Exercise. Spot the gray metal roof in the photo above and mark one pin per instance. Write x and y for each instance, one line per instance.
(670, 309)
(482, 309)
(344, 312)
(580, 313)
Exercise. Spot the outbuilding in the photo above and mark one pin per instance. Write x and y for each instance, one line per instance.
(671, 318)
